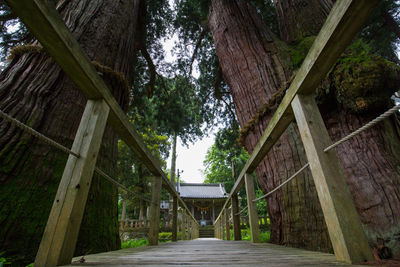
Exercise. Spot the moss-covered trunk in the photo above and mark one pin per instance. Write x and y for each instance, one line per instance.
(256, 66)
(34, 90)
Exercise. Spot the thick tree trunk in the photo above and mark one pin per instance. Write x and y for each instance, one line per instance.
(34, 90)
(301, 18)
(255, 67)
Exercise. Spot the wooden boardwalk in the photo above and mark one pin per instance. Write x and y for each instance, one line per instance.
(211, 252)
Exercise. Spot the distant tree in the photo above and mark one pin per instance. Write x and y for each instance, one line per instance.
(221, 155)
(133, 174)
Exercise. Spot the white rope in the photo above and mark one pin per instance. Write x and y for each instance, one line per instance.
(36, 133)
(107, 177)
(365, 127)
(240, 212)
(285, 182)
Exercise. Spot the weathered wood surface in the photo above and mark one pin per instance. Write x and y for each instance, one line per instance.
(175, 219)
(237, 235)
(252, 209)
(61, 233)
(344, 21)
(154, 214)
(344, 226)
(211, 252)
(227, 225)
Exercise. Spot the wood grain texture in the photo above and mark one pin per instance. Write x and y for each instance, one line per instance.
(227, 224)
(154, 216)
(237, 235)
(212, 252)
(61, 232)
(252, 209)
(175, 219)
(345, 230)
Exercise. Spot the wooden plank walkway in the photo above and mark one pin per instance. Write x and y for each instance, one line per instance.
(211, 252)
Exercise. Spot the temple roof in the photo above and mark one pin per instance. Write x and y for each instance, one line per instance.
(191, 190)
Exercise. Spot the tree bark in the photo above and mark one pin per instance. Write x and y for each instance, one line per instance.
(255, 67)
(34, 90)
(301, 18)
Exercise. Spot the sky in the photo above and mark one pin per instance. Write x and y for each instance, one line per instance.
(190, 160)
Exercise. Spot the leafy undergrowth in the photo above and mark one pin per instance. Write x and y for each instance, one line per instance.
(134, 243)
(246, 235)
(138, 242)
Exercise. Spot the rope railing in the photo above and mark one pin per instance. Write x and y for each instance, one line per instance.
(285, 182)
(53, 143)
(365, 127)
(240, 212)
(35, 133)
(107, 177)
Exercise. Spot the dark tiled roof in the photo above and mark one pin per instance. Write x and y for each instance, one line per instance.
(189, 190)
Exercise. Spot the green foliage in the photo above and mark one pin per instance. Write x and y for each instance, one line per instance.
(364, 82)
(261, 204)
(134, 243)
(4, 260)
(164, 236)
(139, 242)
(299, 51)
(246, 235)
(378, 34)
(219, 158)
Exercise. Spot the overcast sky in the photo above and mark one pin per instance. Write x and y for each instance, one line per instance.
(190, 160)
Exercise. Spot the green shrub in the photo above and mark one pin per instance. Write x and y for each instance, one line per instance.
(3, 260)
(164, 236)
(134, 243)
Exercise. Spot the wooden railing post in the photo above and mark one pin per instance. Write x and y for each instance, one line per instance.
(190, 229)
(175, 219)
(223, 224)
(61, 233)
(345, 230)
(236, 218)
(154, 216)
(252, 209)
(187, 225)
(227, 225)
(216, 229)
(183, 236)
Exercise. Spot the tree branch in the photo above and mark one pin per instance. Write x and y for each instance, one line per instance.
(152, 69)
(196, 49)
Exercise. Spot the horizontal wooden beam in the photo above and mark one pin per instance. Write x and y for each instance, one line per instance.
(45, 23)
(344, 21)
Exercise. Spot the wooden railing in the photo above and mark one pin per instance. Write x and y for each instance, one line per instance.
(348, 239)
(128, 224)
(61, 233)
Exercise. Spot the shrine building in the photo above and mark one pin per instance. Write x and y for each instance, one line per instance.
(205, 201)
